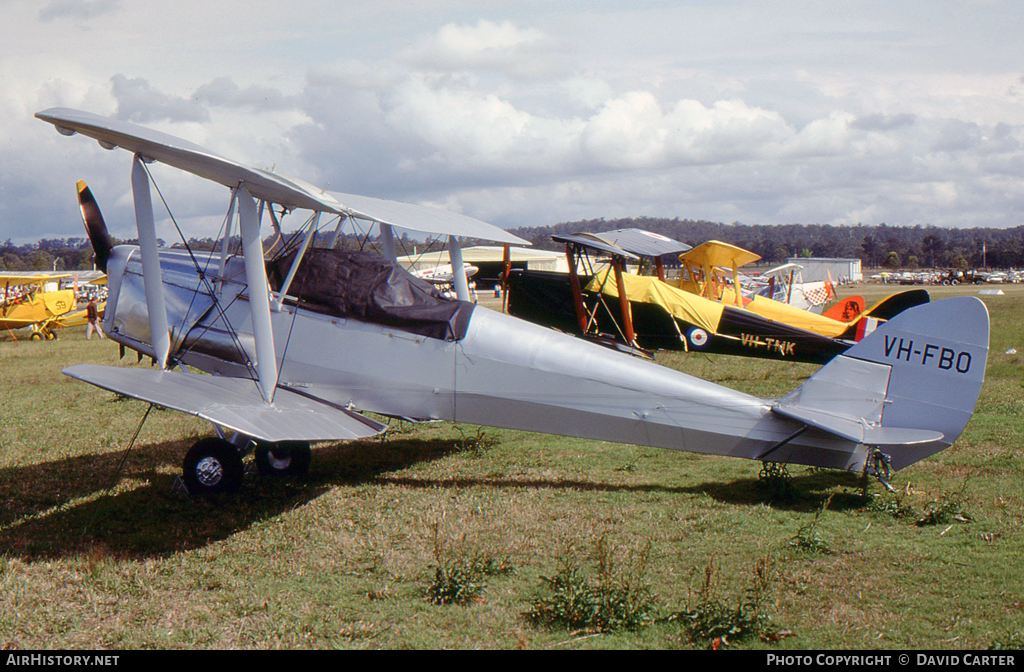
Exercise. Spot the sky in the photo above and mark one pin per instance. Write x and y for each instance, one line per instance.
(530, 113)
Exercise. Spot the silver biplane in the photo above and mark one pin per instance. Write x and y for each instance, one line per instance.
(300, 345)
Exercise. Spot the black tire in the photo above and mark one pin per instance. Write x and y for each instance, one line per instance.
(212, 466)
(36, 336)
(285, 459)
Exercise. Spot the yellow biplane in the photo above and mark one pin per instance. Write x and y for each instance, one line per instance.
(81, 317)
(34, 302)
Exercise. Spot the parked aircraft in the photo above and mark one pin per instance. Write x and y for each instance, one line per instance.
(442, 277)
(34, 302)
(785, 284)
(702, 316)
(331, 333)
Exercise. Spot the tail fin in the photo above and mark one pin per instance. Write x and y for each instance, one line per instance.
(894, 304)
(847, 310)
(886, 309)
(909, 387)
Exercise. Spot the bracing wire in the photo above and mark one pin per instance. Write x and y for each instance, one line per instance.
(120, 465)
(221, 311)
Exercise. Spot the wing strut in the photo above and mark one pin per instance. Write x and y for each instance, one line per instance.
(387, 242)
(151, 278)
(259, 296)
(458, 269)
(296, 261)
(225, 245)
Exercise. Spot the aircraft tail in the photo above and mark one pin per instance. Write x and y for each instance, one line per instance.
(908, 389)
(846, 310)
(886, 309)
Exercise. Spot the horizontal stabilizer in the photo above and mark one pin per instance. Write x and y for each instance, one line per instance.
(858, 430)
(232, 403)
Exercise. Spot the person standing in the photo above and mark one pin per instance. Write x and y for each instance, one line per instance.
(92, 313)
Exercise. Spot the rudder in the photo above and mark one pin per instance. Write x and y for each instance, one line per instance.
(924, 368)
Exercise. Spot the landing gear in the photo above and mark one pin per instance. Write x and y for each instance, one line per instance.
(284, 459)
(39, 332)
(212, 466)
(879, 466)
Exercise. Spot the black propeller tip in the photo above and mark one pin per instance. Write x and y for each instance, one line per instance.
(94, 226)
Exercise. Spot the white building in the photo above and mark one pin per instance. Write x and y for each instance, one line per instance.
(820, 268)
(490, 261)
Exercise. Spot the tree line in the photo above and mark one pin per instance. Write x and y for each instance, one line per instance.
(876, 246)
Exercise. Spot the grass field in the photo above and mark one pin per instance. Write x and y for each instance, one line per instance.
(444, 536)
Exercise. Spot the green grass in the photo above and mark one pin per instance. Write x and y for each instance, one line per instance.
(348, 557)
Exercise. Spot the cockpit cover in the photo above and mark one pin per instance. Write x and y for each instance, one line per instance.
(370, 288)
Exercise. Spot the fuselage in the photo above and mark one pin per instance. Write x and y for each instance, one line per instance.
(502, 372)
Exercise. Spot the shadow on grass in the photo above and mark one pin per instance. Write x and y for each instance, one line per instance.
(805, 493)
(64, 508)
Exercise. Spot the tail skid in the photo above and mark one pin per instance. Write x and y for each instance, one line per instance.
(908, 388)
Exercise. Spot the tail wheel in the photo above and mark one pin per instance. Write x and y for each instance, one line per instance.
(212, 466)
(284, 459)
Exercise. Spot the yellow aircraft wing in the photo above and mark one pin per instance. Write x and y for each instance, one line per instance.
(702, 264)
(645, 289)
(716, 253)
(14, 279)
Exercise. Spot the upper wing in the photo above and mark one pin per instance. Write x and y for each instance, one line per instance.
(424, 219)
(265, 185)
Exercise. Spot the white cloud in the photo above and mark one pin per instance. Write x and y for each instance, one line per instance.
(77, 9)
(534, 113)
(139, 102)
(525, 53)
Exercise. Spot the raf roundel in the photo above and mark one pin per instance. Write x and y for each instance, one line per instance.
(698, 338)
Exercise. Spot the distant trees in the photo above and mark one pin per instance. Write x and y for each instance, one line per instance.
(46, 255)
(876, 246)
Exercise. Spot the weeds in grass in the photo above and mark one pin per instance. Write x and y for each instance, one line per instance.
(948, 509)
(619, 598)
(719, 622)
(1011, 641)
(810, 537)
(476, 444)
(461, 576)
(893, 506)
(455, 583)
(774, 478)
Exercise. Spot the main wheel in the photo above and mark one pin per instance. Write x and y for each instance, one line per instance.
(283, 459)
(212, 466)
(36, 336)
